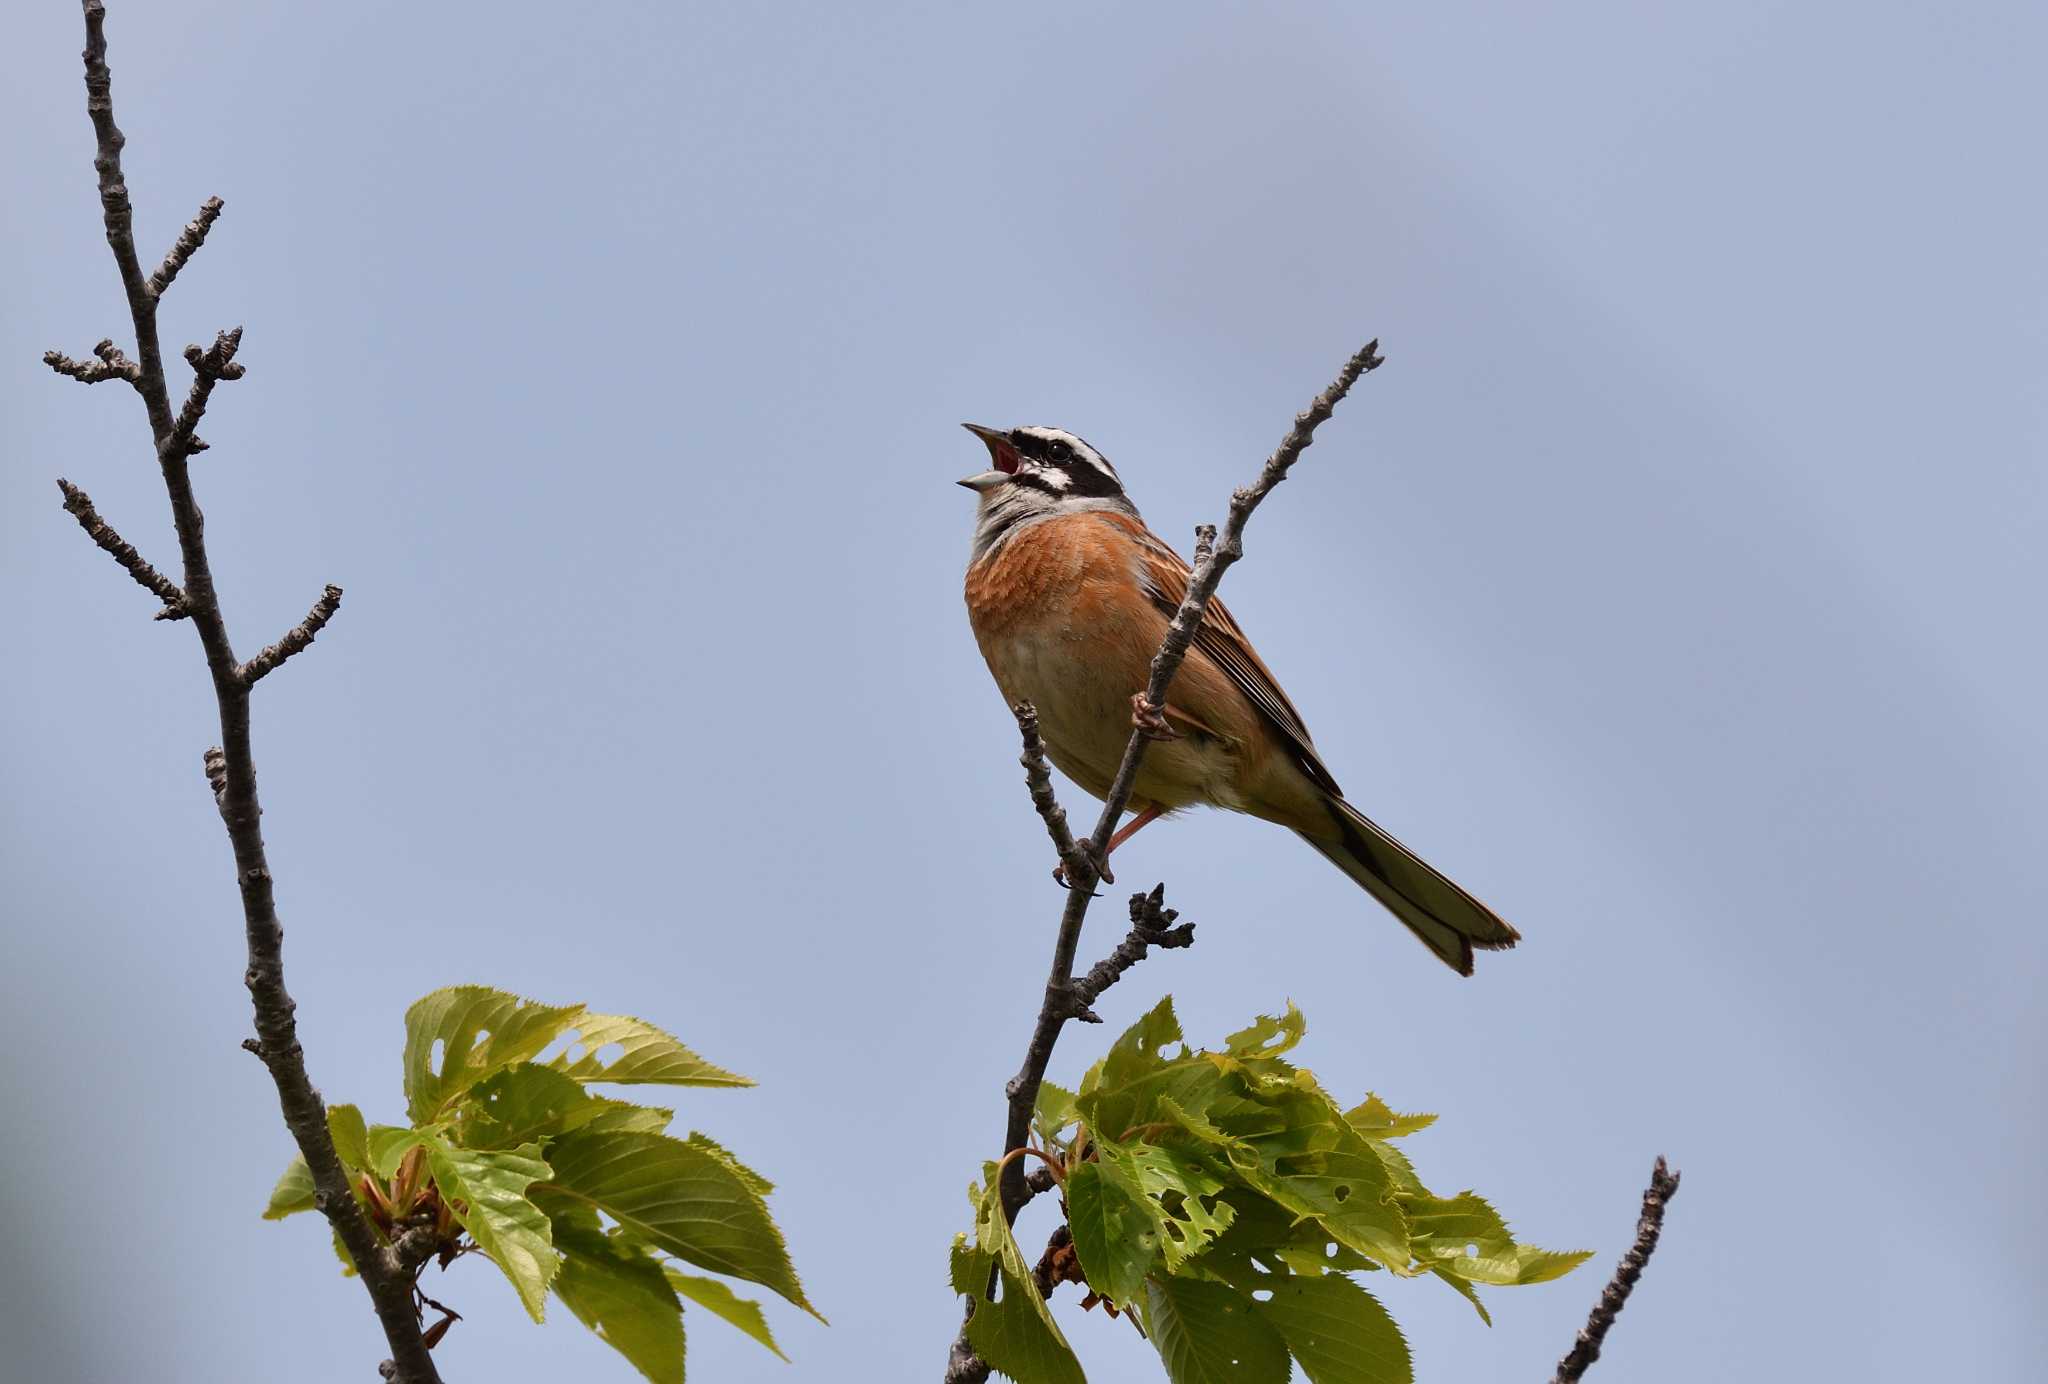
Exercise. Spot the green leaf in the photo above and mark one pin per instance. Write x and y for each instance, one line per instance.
(718, 1297)
(487, 1191)
(480, 1031)
(1463, 1234)
(621, 1294)
(1012, 1330)
(685, 1198)
(1054, 1111)
(1542, 1265)
(293, 1192)
(1465, 1291)
(386, 1145)
(761, 1185)
(623, 1117)
(1116, 1229)
(1208, 1333)
(1338, 1331)
(648, 1056)
(1267, 1036)
(1375, 1119)
(351, 1139)
(520, 1105)
(1185, 1187)
(1314, 1164)
(1262, 1231)
(1137, 1051)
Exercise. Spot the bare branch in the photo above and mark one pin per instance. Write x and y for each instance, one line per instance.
(295, 638)
(1151, 926)
(1038, 779)
(1663, 1186)
(109, 365)
(79, 505)
(215, 363)
(231, 768)
(187, 244)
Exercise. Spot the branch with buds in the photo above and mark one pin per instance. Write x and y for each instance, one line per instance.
(387, 1266)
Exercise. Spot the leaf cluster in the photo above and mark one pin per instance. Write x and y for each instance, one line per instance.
(511, 1157)
(1226, 1201)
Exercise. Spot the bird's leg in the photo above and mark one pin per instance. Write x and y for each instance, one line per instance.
(1152, 721)
(1123, 834)
(1131, 828)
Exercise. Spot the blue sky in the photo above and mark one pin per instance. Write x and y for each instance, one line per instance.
(1675, 586)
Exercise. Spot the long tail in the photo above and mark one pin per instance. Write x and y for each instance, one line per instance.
(1449, 921)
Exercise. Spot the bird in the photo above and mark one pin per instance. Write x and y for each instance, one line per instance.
(1069, 595)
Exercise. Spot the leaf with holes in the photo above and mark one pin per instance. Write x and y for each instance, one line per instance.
(524, 1157)
(458, 1037)
(1116, 1229)
(1465, 1236)
(647, 1056)
(1010, 1327)
(685, 1199)
(1314, 1164)
(1208, 1333)
(1267, 1036)
(1185, 1187)
(1337, 1331)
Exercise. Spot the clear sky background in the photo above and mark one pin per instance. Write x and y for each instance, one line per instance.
(1676, 585)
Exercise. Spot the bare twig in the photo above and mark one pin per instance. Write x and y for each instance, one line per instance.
(1038, 779)
(187, 244)
(1152, 925)
(295, 638)
(231, 769)
(1663, 1186)
(79, 505)
(1151, 922)
(109, 364)
(209, 367)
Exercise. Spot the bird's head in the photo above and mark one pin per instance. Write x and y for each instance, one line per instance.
(1036, 473)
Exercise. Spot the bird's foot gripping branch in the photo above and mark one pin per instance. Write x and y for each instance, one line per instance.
(1226, 1202)
(506, 1154)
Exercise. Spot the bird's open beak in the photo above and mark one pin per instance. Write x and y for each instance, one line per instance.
(999, 451)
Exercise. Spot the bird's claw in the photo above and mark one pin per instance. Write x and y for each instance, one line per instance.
(1101, 863)
(1150, 720)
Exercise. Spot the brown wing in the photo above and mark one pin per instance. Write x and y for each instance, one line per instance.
(1164, 576)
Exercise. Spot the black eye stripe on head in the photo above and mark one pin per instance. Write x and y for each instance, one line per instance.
(1087, 477)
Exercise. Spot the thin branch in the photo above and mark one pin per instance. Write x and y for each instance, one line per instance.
(295, 638)
(110, 364)
(209, 367)
(79, 505)
(1152, 925)
(1663, 1186)
(1151, 922)
(187, 244)
(231, 769)
(1038, 779)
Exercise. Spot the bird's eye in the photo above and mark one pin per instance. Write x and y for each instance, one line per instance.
(1058, 450)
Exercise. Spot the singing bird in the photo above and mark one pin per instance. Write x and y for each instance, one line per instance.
(1070, 594)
